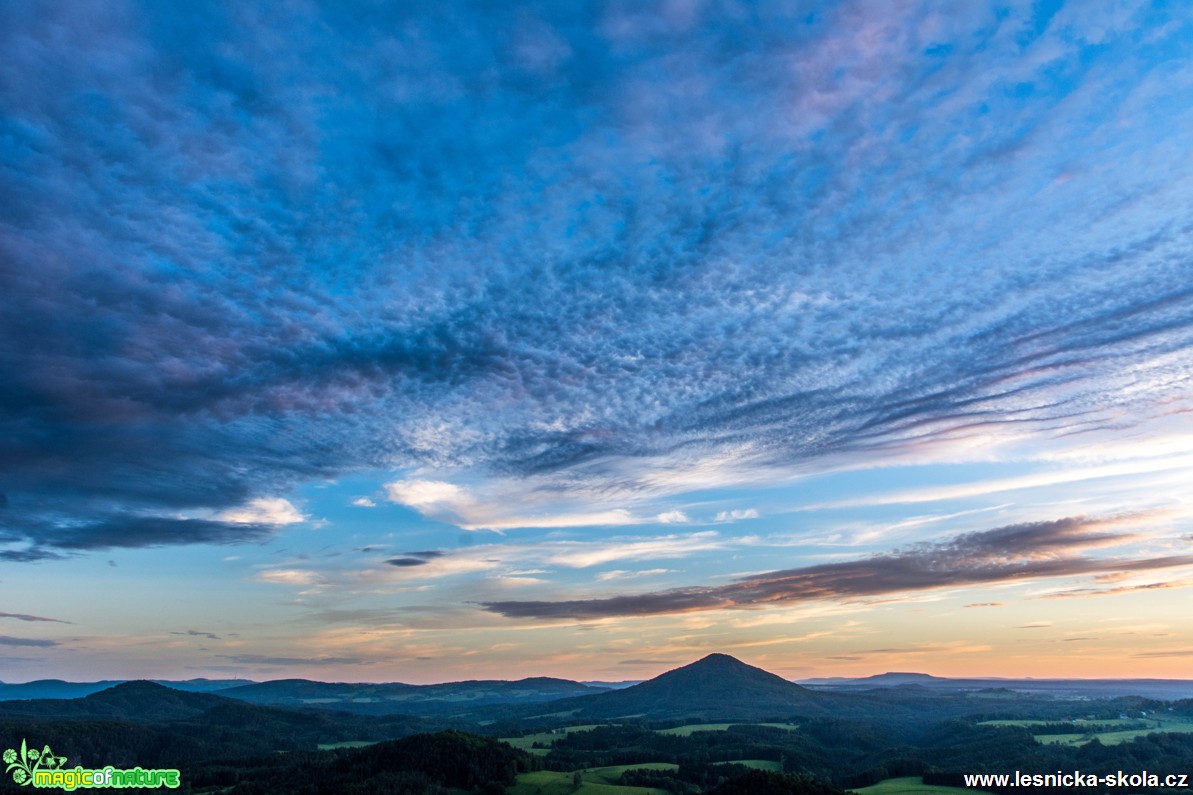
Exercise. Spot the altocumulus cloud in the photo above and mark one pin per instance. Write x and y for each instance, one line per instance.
(244, 248)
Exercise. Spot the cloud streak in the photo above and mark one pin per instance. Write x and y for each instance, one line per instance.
(37, 643)
(31, 618)
(1006, 554)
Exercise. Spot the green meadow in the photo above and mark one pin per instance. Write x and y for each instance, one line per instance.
(911, 785)
(544, 739)
(346, 744)
(597, 781)
(757, 764)
(686, 731)
(1157, 722)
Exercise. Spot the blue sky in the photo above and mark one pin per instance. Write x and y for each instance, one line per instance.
(465, 340)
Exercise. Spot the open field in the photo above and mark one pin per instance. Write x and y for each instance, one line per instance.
(1030, 723)
(1156, 722)
(546, 739)
(757, 764)
(547, 782)
(912, 785)
(686, 731)
(611, 774)
(526, 743)
(1181, 725)
(346, 744)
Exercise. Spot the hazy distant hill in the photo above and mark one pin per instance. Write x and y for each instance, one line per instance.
(1164, 689)
(56, 688)
(388, 698)
(202, 685)
(619, 685)
(52, 688)
(128, 701)
(148, 722)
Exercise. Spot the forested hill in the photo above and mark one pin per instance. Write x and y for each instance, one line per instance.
(128, 701)
(147, 724)
(717, 685)
(426, 764)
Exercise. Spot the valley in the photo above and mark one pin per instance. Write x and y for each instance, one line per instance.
(695, 729)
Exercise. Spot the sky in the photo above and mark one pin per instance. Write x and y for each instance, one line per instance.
(433, 341)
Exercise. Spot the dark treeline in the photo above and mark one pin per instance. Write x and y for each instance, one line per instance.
(839, 754)
(853, 754)
(819, 747)
(430, 764)
(223, 732)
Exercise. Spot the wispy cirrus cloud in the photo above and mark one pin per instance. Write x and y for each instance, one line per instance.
(512, 559)
(1076, 593)
(269, 661)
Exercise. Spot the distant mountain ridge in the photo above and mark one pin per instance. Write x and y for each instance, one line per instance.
(715, 685)
(57, 688)
(1163, 689)
(146, 723)
(706, 682)
(127, 701)
(377, 699)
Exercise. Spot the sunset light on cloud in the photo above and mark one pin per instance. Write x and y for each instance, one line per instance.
(413, 342)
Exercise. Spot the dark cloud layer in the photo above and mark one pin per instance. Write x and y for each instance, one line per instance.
(1005, 554)
(244, 248)
(415, 558)
(124, 531)
(9, 640)
(27, 617)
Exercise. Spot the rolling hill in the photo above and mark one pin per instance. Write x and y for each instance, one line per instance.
(154, 724)
(128, 701)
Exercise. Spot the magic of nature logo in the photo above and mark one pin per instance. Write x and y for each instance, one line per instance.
(46, 770)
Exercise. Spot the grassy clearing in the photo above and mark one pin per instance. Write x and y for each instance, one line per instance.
(547, 782)
(1077, 724)
(346, 744)
(526, 743)
(1156, 722)
(569, 713)
(611, 774)
(757, 764)
(913, 785)
(1159, 724)
(686, 731)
